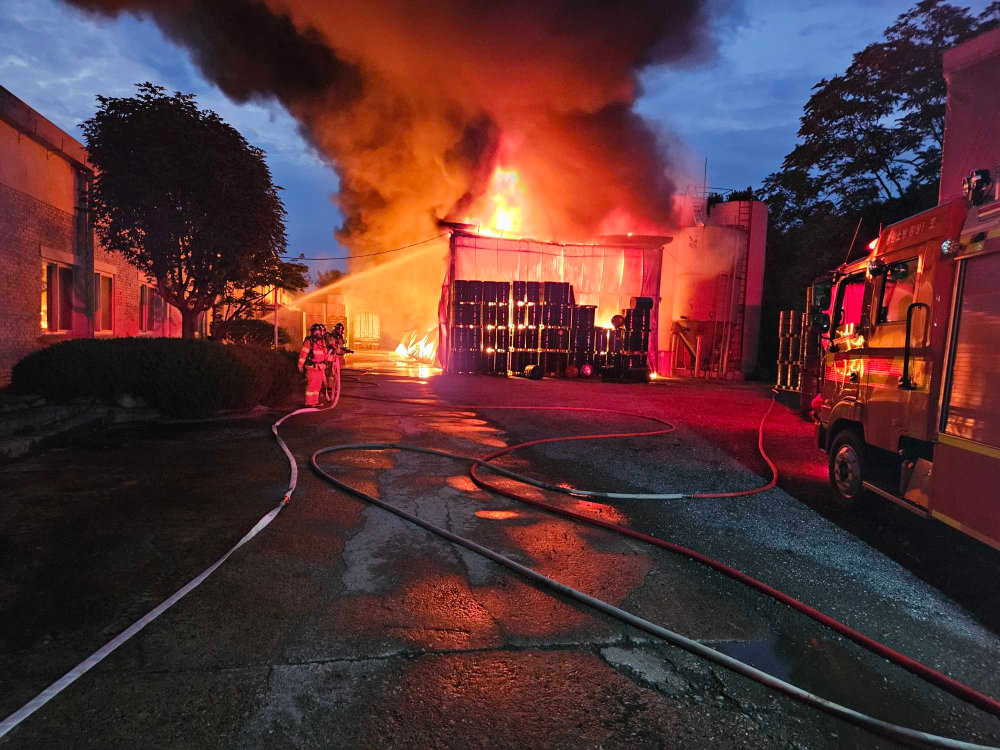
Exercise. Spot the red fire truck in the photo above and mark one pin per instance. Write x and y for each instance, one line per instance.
(910, 369)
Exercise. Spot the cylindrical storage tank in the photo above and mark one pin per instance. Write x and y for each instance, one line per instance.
(706, 286)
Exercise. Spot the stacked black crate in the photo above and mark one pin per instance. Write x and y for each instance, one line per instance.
(583, 335)
(554, 333)
(524, 324)
(603, 354)
(466, 340)
(638, 321)
(495, 328)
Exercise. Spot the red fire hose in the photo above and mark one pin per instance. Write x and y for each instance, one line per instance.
(958, 689)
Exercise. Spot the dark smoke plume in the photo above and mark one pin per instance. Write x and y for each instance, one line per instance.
(415, 101)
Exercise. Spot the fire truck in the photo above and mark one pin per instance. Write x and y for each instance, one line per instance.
(909, 376)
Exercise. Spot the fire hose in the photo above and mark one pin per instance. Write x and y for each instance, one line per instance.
(949, 684)
(946, 683)
(884, 728)
(50, 692)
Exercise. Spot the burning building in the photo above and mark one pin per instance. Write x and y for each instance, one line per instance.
(703, 284)
(522, 121)
(704, 281)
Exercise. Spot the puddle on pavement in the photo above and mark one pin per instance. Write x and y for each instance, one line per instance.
(761, 654)
(838, 671)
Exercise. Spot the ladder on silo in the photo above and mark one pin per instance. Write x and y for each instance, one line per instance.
(734, 364)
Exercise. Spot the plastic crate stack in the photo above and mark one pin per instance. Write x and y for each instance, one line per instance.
(791, 324)
(480, 315)
(500, 327)
(638, 322)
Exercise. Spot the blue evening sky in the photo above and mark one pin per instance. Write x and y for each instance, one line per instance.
(740, 111)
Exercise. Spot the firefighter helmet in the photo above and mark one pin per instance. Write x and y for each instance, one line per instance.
(338, 330)
(317, 329)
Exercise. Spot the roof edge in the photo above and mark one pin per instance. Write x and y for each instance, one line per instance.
(43, 131)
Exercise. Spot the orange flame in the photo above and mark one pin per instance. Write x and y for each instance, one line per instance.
(504, 209)
(422, 349)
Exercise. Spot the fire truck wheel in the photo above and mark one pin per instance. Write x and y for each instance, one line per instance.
(847, 468)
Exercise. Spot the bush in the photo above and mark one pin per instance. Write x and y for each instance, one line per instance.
(253, 332)
(178, 377)
(275, 375)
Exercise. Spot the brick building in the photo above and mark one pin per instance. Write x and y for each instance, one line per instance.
(57, 283)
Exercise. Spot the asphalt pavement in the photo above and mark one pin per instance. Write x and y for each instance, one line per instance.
(343, 626)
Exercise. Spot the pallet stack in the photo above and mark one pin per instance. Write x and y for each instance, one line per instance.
(526, 308)
(497, 328)
(583, 335)
(791, 324)
(555, 328)
(638, 323)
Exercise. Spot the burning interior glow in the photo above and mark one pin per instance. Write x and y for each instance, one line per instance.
(503, 205)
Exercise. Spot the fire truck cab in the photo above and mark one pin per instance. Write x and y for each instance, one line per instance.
(910, 371)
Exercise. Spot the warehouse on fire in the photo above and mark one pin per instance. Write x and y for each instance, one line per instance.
(511, 303)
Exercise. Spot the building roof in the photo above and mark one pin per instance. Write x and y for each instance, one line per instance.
(31, 124)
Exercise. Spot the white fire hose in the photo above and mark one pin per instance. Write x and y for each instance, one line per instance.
(886, 729)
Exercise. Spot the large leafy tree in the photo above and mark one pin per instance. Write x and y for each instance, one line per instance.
(874, 133)
(183, 197)
(868, 153)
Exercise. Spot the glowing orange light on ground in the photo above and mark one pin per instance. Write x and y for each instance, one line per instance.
(496, 515)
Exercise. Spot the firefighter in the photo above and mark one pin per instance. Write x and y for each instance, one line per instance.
(314, 358)
(337, 342)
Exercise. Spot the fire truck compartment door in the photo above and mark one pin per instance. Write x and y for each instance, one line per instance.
(967, 457)
(972, 401)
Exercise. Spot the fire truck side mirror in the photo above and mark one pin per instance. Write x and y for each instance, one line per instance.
(974, 186)
(876, 267)
(821, 292)
(820, 322)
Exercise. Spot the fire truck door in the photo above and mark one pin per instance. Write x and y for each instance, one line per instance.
(845, 359)
(967, 457)
(888, 407)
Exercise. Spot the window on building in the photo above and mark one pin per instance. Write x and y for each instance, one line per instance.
(57, 297)
(152, 309)
(898, 288)
(850, 306)
(103, 303)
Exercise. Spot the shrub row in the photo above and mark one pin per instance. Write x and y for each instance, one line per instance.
(250, 331)
(178, 377)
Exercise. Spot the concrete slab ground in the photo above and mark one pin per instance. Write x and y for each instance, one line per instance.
(344, 626)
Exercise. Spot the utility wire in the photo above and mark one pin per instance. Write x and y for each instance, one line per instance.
(380, 252)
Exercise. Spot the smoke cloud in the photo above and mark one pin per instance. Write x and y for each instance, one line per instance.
(414, 102)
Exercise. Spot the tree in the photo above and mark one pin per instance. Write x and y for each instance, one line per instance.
(329, 276)
(742, 195)
(183, 197)
(869, 150)
(874, 133)
(252, 295)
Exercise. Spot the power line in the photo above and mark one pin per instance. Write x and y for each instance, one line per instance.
(381, 252)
